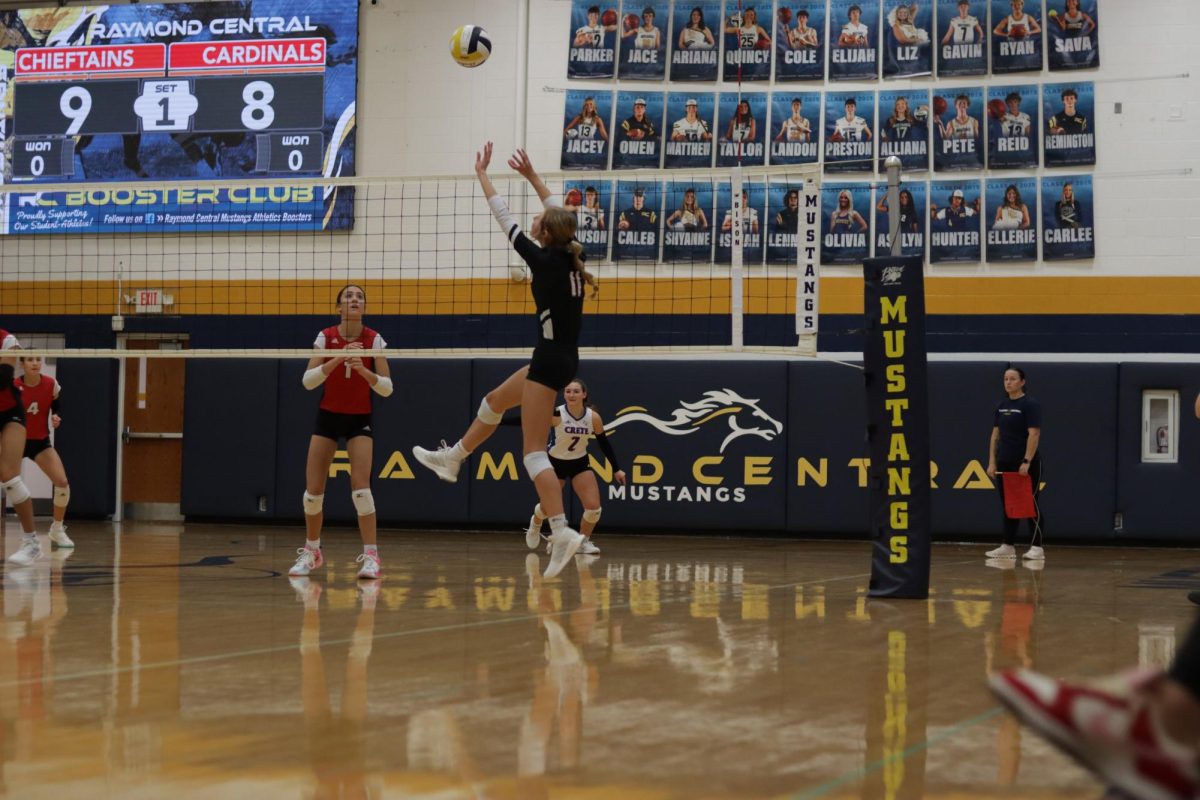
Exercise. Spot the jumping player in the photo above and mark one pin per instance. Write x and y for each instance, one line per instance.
(554, 260)
(39, 395)
(576, 423)
(12, 450)
(345, 413)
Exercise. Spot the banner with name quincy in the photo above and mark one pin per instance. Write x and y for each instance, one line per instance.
(696, 44)
(914, 214)
(1072, 39)
(895, 374)
(592, 203)
(1070, 135)
(644, 41)
(593, 40)
(954, 208)
(1012, 219)
(961, 37)
(795, 120)
(845, 209)
(853, 40)
(747, 43)
(1068, 231)
(800, 42)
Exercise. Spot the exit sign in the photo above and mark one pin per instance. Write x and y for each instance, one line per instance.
(148, 301)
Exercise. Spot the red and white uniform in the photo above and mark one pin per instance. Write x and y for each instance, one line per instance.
(347, 392)
(37, 400)
(8, 399)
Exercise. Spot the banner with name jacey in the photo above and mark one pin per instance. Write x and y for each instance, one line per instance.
(1067, 218)
(853, 40)
(1072, 42)
(593, 39)
(585, 129)
(895, 373)
(800, 41)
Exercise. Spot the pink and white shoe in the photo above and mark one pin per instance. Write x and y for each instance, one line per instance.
(1110, 730)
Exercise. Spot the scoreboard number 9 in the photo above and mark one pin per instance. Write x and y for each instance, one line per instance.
(75, 104)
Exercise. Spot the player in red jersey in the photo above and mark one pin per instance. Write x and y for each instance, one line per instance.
(39, 395)
(12, 450)
(345, 413)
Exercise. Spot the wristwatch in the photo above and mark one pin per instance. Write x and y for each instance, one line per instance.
(1024, 460)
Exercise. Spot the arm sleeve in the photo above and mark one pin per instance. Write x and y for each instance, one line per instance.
(525, 248)
(552, 201)
(319, 342)
(607, 448)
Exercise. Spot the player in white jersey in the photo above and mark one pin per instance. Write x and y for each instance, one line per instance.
(802, 35)
(963, 29)
(962, 126)
(795, 128)
(1018, 24)
(854, 32)
(690, 128)
(696, 35)
(1015, 122)
(587, 124)
(903, 22)
(750, 34)
(575, 425)
(749, 216)
(589, 215)
(1013, 214)
(851, 128)
(592, 34)
(646, 36)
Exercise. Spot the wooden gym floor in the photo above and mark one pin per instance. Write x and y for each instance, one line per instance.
(177, 661)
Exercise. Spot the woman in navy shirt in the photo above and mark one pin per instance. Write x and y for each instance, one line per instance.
(1014, 447)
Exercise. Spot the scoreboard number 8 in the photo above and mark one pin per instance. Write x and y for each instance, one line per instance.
(77, 114)
(258, 114)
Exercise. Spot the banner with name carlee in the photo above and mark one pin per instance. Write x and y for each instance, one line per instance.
(853, 40)
(688, 228)
(644, 41)
(800, 42)
(785, 207)
(742, 122)
(1072, 41)
(1016, 36)
(637, 130)
(754, 212)
(585, 129)
(954, 222)
(639, 204)
(1067, 218)
(904, 128)
(957, 132)
(689, 130)
(849, 119)
(695, 45)
(1013, 121)
(593, 40)
(591, 201)
(1070, 137)
(914, 214)
(795, 120)
(907, 49)
(747, 43)
(962, 37)
(845, 209)
(1012, 219)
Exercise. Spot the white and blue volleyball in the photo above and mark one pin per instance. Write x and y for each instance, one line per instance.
(470, 45)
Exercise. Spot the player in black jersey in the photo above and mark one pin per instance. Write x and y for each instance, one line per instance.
(1069, 120)
(1066, 209)
(555, 262)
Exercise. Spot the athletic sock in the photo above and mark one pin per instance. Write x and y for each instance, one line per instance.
(313, 544)
(371, 550)
(557, 523)
(458, 452)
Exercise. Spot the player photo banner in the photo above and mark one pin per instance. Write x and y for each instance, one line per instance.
(795, 122)
(904, 128)
(1067, 219)
(592, 203)
(954, 222)
(1012, 220)
(799, 41)
(747, 41)
(897, 392)
(1070, 139)
(696, 43)
(644, 41)
(845, 209)
(637, 130)
(914, 214)
(787, 218)
(688, 228)
(1016, 36)
(849, 119)
(689, 130)
(754, 212)
(742, 123)
(853, 40)
(957, 131)
(907, 50)
(1071, 31)
(639, 205)
(593, 39)
(962, 37)
(585, 129)
(1013, 120)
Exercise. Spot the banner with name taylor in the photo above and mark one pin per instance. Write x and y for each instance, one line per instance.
(747, 43)
(638, 210)
(1012, 219)
(1016, 36)
(795, 122)
(742, 122)
(914, 215)
(800, 42)
(754, 212)
(586, 115)
(904, 128)
(1068, 222)
(958, 132)
(962, 37)
(696, 43)
(845, 211)
(954, 219)
(1070, 136)
(849, 120)
(1013, 121)
(592, 203)
(637, 130)
(689, 130)
(688, 226)
(907, 45)
(644, 41)
(853, 40)
(593, 49)
(1071, 34)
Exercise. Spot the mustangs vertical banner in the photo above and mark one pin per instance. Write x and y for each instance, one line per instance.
(1016, 36)
(907, 49)
(1012, 220)
(1070, 137)
(800, 42)
(845, 209)
(688, 229)
(592, 203)
(796, 121)
(957, 132)
(638, 130)
(954, 222)
(904, 128)
(1013, 122)
(644, 41)
(585, 129)
(849, 118)
(1067, 219)
(853, 40)
(638, 209)
(747, 43)
(593, 40)
(742, 123)
(689, 130)
(914, 213)
(754, 212)
(808, 283)
(895, 372)
(961, 25)
(695, 45)
(1071, 26)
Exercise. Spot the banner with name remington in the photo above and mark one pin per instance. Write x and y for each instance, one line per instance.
(1012, 219)
(1070, 137)
(638, 130)
(907, 50)
(593, 40)
(800, 42)
(689, 130)
(795, 120)
(895, 373)
(644, 41)
(696, 43)
(742, 122)
(962, 37)
(585, 129)
(845, 209)
(954, 222)
(957, 130)
(754, 211)
(688, 230)
(849, 120)
(1013, 120)
(1016, 36)
(904, 128)
(1068, 231)
(592, 203)
(853, 40)
(747, 43)
(1072, 41)
(639, 204)
(914, 214)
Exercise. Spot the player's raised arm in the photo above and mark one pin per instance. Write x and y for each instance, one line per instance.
(523, 165)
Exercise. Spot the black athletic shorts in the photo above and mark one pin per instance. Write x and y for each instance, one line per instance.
(553, 366)
(34, 447)
(568, 468)
(332, 425)
(17, 414)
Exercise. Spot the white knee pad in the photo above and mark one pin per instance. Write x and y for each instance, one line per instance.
(591, 515)
(313, 503)
(16, 491)
(62, 496)
(487, 415)
(537, 463)
(364, 502)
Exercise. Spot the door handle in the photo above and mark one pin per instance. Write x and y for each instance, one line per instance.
(127, 435)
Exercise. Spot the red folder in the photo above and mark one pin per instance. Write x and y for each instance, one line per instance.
(1018, 495)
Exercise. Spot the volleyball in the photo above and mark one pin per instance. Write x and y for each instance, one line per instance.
(470, 45)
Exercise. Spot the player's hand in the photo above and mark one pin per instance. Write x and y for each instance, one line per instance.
(991, 469)
(356, 364)
(619, 476)
(483, 159)
(1024, 470)
(521, 162)
(55, 420)
(623, 225)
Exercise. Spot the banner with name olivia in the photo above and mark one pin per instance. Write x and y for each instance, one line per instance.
(853, 40)
(849, 119)
(1013, 120)
(962, 37)
(1016, 36)
(754, 212)
(696, 43)
(1072, 39)
(689, 130)
(954, 222)
(800, 42)
(747, 43)
(796, 124)
(1012, 220)
(907, 49)
(1070, 136)
(592, 203)
(742, 123)
(914, 214)
(688, 229)
(593, 39)
(638, 130)
(957, 131)
(845, 211)
(585, 129)
(904, 128)
(638, 205)
(644, 41)
(1068, 231)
